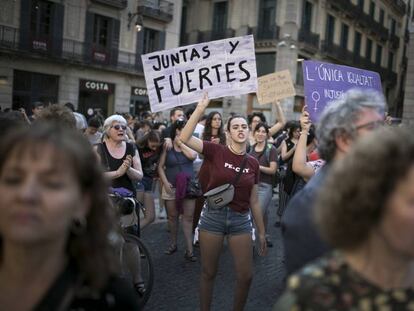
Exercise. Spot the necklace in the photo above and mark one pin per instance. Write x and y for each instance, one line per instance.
(236, 152)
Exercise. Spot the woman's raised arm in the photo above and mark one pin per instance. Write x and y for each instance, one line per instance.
(280, 124)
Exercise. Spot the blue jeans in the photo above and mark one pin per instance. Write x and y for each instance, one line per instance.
(265, 193)
(224, 221)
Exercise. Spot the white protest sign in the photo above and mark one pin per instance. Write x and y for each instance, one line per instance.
(275, 86)
(180, 76)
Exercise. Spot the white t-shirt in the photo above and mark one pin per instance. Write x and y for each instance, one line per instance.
(198, 132)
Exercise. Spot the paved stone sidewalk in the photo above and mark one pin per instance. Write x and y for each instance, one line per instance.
(176, 285)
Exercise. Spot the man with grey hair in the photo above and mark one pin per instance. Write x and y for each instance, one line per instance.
(340, 125)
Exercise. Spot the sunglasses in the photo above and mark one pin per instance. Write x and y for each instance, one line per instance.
(117, 127)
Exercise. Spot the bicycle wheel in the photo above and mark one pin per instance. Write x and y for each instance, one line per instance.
(137, 262)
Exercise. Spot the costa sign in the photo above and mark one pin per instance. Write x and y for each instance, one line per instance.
(139, 91)
(96, 86)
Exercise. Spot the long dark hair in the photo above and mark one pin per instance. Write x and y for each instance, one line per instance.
(90, 250)
(293, 127)
(207, 134)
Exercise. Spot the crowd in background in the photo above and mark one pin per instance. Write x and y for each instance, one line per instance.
(360, 226)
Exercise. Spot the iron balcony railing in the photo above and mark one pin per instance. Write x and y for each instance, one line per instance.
(72, 51)
(204, 36)
(394, 41)
(399, 5)
(376, 27)
(354, 59)
(265, 32)
(407, 36)
(337, 52)
(309, 38)
(120, 4)
(87, 53)
(357, 14)
(9, 38)
(161, 10)
(346, 7)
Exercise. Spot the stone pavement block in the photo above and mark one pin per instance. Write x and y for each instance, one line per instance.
(176, 285)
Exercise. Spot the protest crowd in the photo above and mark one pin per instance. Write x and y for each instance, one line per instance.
(340, 188)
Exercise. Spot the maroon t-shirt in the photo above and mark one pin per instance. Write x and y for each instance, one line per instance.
(220, 166)
(269, 154)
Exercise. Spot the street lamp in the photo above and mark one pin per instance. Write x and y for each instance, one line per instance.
(139, 23)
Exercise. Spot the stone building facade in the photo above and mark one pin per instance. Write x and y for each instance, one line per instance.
(408, 114)
(369, 34)
(86, 52)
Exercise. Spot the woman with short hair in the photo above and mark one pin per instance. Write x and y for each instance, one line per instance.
(364, 211)
(120, 159)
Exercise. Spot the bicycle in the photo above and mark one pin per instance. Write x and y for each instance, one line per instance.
(135, 258)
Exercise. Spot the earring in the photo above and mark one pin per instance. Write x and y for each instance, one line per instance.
(79, 226)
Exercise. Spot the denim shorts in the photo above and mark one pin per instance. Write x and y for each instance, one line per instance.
(145, 184)
(225, 221)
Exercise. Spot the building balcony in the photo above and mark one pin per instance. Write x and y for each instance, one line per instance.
(404, 63)
(211, 35)
(119, 4)
(89, 54)
(376, 28)
(398, 5)
(336, 52)
(160, 10)
(9, 38)
(309, 39)
(262, 32)
(346, 57)
(355, 13)
(346, 7)
(267, 33)
(73, 52)
(389, 76)
(394, 41)
(385, 73)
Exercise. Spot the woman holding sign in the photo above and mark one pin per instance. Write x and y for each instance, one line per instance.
(258, 117)
(227, 165)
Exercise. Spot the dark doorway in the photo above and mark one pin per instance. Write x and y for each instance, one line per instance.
(94, 101)
(29, 87)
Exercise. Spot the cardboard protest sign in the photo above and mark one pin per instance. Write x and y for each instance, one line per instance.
(180, 76)
(275, 86)
(327, 82)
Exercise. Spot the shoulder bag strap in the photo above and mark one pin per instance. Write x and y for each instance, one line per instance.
(102, 151)
(243, 164)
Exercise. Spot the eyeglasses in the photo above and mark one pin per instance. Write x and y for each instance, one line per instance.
(371, 125)
(117, 127)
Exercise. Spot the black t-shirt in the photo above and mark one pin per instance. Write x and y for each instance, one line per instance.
(112, 164)
(149, 161)
(166, 133)
(116, 296)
